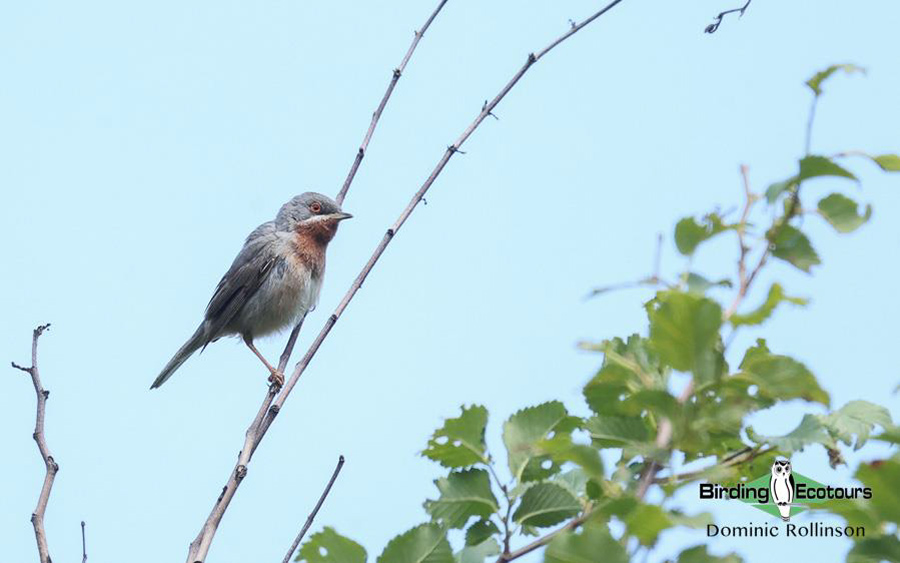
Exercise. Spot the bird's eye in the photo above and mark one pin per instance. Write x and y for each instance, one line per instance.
(315, 207)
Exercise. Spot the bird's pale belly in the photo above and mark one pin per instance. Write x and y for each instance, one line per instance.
(288, 293)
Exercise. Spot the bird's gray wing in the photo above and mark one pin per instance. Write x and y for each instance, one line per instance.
(247, 273)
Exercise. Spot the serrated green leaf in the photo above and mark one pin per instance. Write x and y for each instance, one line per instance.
(689, 234)
(561, 450)
(887, 162)
(775, 297)
(809, 431)
(780, 377)
(426, 543)
(464, 494)
(328, 546)
(815, 83)
(527, 427)
(778, 188)
(585, 546)
(814, 166)
(879, 548)
(684, 331)
(792, 246)
(646, 522)
(546, 504)
(616, 431)
(699, 554)
(575, 480)
(460, 442)
(478, 553)
(843, 213)
(856, 418)
(481, 531)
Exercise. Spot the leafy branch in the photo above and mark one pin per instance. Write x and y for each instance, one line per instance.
(559, 496)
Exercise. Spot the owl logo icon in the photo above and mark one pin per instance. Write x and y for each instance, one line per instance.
(781, 485)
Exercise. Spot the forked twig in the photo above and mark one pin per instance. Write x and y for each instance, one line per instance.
(37, 517)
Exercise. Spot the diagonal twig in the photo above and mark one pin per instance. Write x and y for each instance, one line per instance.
(200, 546)
(312, 515)
(37, 517)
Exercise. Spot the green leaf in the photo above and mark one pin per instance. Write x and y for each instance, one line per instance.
(883, 477)
(684, 331)
(856, 418)
(585, 546)
(426, 543)
(616, 431)
(527, 427)
(460, 442)
(815, 83)
(793, 247)
(879, 548)
(775, 297)
(481, 531)
(478, 553)
(646, 522)
(546, 504)
(463, 494)
(778, 188)
(699, 285)
(814, 166)
(809, 431)
(842, 212)
(887, 162)
(689, 234)
(780, 377)
(328, 546)
(699, 554)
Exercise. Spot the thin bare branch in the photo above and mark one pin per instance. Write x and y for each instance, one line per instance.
(83, 544)
(410, 207)
(711, 28)
(37, 517)
(200, 547)
(395, 77)
(312, 515)
(573, 524)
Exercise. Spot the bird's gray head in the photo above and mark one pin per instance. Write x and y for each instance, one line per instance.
(310, 210)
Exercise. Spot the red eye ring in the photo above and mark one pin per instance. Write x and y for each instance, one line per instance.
(315, 207)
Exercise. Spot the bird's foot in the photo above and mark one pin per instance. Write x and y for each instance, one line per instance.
(277, 378)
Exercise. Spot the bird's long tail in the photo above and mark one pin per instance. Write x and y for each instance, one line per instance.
(193, 344)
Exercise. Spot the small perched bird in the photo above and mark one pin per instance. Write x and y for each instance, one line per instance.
(274, 281)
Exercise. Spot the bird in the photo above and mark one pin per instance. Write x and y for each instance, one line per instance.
(273, 282)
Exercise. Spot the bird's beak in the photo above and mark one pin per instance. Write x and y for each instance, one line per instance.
(340, 216)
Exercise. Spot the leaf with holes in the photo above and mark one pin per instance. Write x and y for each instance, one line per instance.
(426, 543)
(779, 377)
(775, 297)
(843, 213)
(460, 442)
(328, 546)
(689, 234)
(464, 494)
(809, 431)
(546, 504)
(616, 431)
(527, 427)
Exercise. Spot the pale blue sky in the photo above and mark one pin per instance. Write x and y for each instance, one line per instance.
(141, 142)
